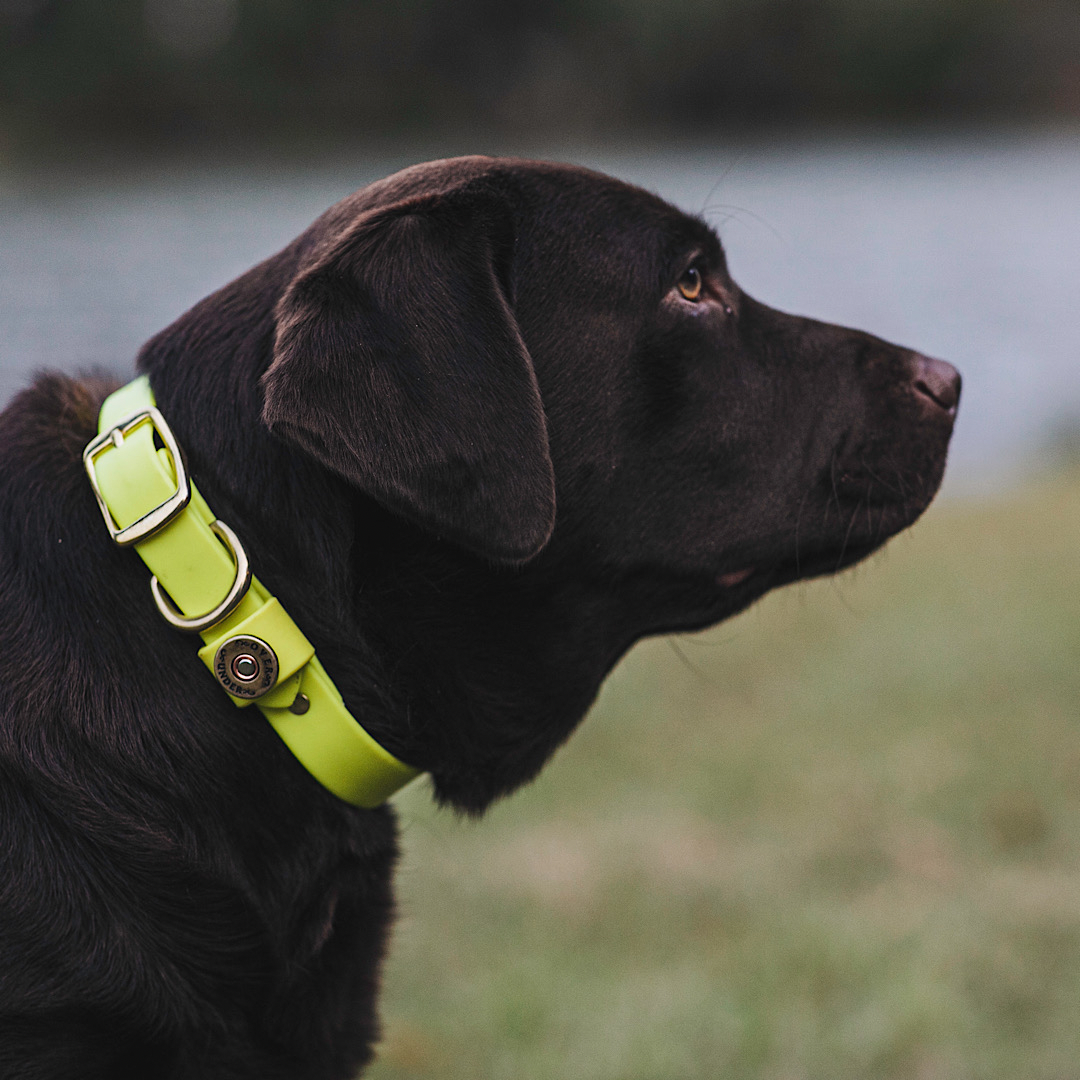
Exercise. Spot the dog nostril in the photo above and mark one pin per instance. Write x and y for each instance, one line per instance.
(938, 381)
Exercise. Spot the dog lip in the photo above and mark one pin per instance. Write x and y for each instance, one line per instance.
(735, 577)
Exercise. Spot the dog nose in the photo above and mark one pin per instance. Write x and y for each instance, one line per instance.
(936, 380)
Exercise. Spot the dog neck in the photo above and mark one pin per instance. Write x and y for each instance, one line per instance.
(472, 673)
(202, 583)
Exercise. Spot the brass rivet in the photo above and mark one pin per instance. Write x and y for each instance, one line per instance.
(245, 667)
(301, 704)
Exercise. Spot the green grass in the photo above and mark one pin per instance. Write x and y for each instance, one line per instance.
(836, 837)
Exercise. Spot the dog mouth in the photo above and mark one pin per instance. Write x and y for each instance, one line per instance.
(735, 577)
(698, 604)
(850, 513)
(857, 528)
(805, 563)
(800, 567)
(812, 564)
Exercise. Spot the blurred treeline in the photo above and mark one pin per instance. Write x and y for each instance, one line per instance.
(138, 71)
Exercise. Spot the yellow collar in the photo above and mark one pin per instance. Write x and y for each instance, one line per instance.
(252, 647)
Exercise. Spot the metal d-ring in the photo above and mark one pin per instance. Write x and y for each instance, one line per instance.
(235, 594)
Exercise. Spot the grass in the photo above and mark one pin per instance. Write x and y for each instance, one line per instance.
(836, 837)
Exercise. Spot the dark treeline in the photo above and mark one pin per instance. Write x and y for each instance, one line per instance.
(136, 70)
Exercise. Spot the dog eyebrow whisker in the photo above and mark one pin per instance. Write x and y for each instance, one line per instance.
(738, 160)
(739, 212)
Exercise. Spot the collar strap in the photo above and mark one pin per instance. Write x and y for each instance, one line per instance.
(202, 582)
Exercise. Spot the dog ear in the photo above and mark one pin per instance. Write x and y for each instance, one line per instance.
(399, 365)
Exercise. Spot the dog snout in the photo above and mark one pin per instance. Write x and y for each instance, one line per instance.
(937, 382)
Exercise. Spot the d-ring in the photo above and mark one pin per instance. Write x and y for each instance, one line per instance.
(235, 594)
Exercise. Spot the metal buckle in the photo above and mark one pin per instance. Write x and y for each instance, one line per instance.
(232, 599)
(162, 514)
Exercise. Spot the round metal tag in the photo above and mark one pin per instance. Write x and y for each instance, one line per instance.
(246, 666)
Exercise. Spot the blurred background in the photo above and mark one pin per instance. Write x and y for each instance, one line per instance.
(840, 835)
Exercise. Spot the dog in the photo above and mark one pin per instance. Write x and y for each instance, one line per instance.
(480, 428)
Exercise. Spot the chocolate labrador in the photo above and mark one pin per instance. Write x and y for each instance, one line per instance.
(479, 429)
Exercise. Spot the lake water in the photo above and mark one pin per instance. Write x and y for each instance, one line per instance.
(967, 249)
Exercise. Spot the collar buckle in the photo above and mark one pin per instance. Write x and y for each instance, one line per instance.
(160, 516)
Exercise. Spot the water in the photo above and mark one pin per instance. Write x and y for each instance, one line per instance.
(965, 249)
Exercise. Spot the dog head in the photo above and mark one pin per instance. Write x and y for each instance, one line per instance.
(569, 426)
(490, 347)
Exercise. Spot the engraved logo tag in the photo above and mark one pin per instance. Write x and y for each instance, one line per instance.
(246, 666)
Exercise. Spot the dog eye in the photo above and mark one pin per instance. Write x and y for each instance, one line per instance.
(690, 283)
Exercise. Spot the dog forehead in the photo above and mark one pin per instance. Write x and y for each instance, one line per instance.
(587, 205)
(556, 204)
